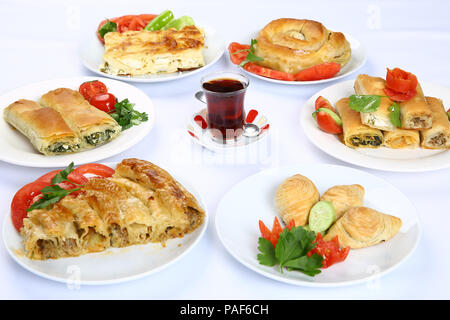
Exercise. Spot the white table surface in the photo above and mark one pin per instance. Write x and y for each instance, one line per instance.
(39, 40)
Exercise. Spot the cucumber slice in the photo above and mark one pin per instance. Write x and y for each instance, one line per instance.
(321, 216)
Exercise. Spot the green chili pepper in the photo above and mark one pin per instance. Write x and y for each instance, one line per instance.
(179, 23)
(160, 21)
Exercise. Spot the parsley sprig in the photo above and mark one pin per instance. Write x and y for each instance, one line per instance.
(371, 103)
(291, 252)
(126, 116)
(53, 193)
(251, 57)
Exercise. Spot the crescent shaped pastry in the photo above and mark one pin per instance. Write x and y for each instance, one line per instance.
(344, 197)
(362, 227)
(294, 199)
(292, 45)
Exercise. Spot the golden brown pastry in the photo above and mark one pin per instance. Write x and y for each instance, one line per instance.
(141, 203)
(362, 227)
(401, 139)
(356, 134)
(292, 45)
(416, 113)
(438, 136)
(44, 127)
(94, 126)
(344, 197)
(294, 199)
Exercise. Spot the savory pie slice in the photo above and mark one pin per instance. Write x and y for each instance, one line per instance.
(143, 52)
(141, 203)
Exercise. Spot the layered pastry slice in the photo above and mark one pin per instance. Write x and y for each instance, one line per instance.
(134, 53)
(416, 113)
(356, 134)
(44, 127)
(438, 136)
(140, 203)
(401, 139)
(94, 126)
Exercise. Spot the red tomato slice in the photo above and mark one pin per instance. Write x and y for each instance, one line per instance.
(329, 250)
(268, 73)
(398, 96)
(235, 56)
(318, 72)
(273, 235)
(128, 22)
(22, 200)
(327, 123)
(89, 89)
(73, 176)
(321, 102)
(96, 169)
(104, 101)
(400, 80)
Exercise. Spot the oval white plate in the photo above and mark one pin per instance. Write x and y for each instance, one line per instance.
(417, 160)
(92, 52)
(17, 149)
(356, 61)
(111, 266)
(253, 199)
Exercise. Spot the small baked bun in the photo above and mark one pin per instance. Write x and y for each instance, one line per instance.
(292, 45)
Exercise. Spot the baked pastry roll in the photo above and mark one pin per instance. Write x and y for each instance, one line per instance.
(344, 197)
(367, 85)
(141, 203)
(416, 113)
(438, 136)
(294, 199)
(356, 134)
(44, 127)
(94, 126)
(362, 227)
(135, 53)
(401, 139)
(292, 45)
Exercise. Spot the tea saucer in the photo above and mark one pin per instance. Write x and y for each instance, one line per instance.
(198, 129)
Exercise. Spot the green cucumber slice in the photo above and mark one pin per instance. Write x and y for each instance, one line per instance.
(331, 113)
(321, 216)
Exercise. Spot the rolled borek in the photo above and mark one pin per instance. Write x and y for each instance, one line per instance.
(438, 136)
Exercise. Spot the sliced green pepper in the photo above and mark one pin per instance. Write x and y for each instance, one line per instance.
(179, 23)
(160, 21)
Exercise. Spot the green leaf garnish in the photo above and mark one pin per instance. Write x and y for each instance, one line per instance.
(126, 116)
(109, 26)
(394, 115)
(267, 257)
(251, 57)
(364, 103)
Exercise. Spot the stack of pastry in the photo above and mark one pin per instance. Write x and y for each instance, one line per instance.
(355, 225)
(423, 119)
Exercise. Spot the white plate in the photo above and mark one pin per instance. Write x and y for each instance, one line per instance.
(17, 149)
(92, 52)
(111, 266)
(417, 160)
(356, 61)
(253, 199)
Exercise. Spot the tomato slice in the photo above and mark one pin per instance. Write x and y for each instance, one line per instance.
(274, 235)
(89, 89)
(128, 23)
(318, 72)
(73, 176)
(327, 123)
(321, 102)
(329, 250)
(104, 101)
(399, 96)
(400, 80)
(236, 53)
(95, 169)
(23, 199)
(267, 72)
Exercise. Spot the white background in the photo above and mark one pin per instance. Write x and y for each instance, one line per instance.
(39, 40)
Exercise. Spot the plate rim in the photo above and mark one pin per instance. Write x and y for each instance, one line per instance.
(208, 29)
(352, 40)
(375, 163)
(297, 282)
(203, 228)
(147, 126)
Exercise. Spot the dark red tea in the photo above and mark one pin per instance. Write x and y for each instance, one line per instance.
(225, 99)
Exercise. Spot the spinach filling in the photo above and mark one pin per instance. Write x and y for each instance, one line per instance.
(368, 140)
(99, 137)
(61, 147)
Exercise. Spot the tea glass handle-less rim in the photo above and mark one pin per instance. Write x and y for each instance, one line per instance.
(200, 95)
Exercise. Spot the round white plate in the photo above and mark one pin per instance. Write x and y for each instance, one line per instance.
(253, 199)
(92, 52)
(111, 266)
(417, 160)
(17, 149)
(356, 61)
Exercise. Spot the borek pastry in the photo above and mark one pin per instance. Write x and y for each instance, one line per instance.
(416, 113)
(438, 136)
(294, 199)
(344, 197)
(401, 139)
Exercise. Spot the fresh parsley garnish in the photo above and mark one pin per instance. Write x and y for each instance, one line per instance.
(291, 252)
(394, 115)
(364, 103)
(126, 116)
(251, 57)
(53, 193)
(109, 26)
